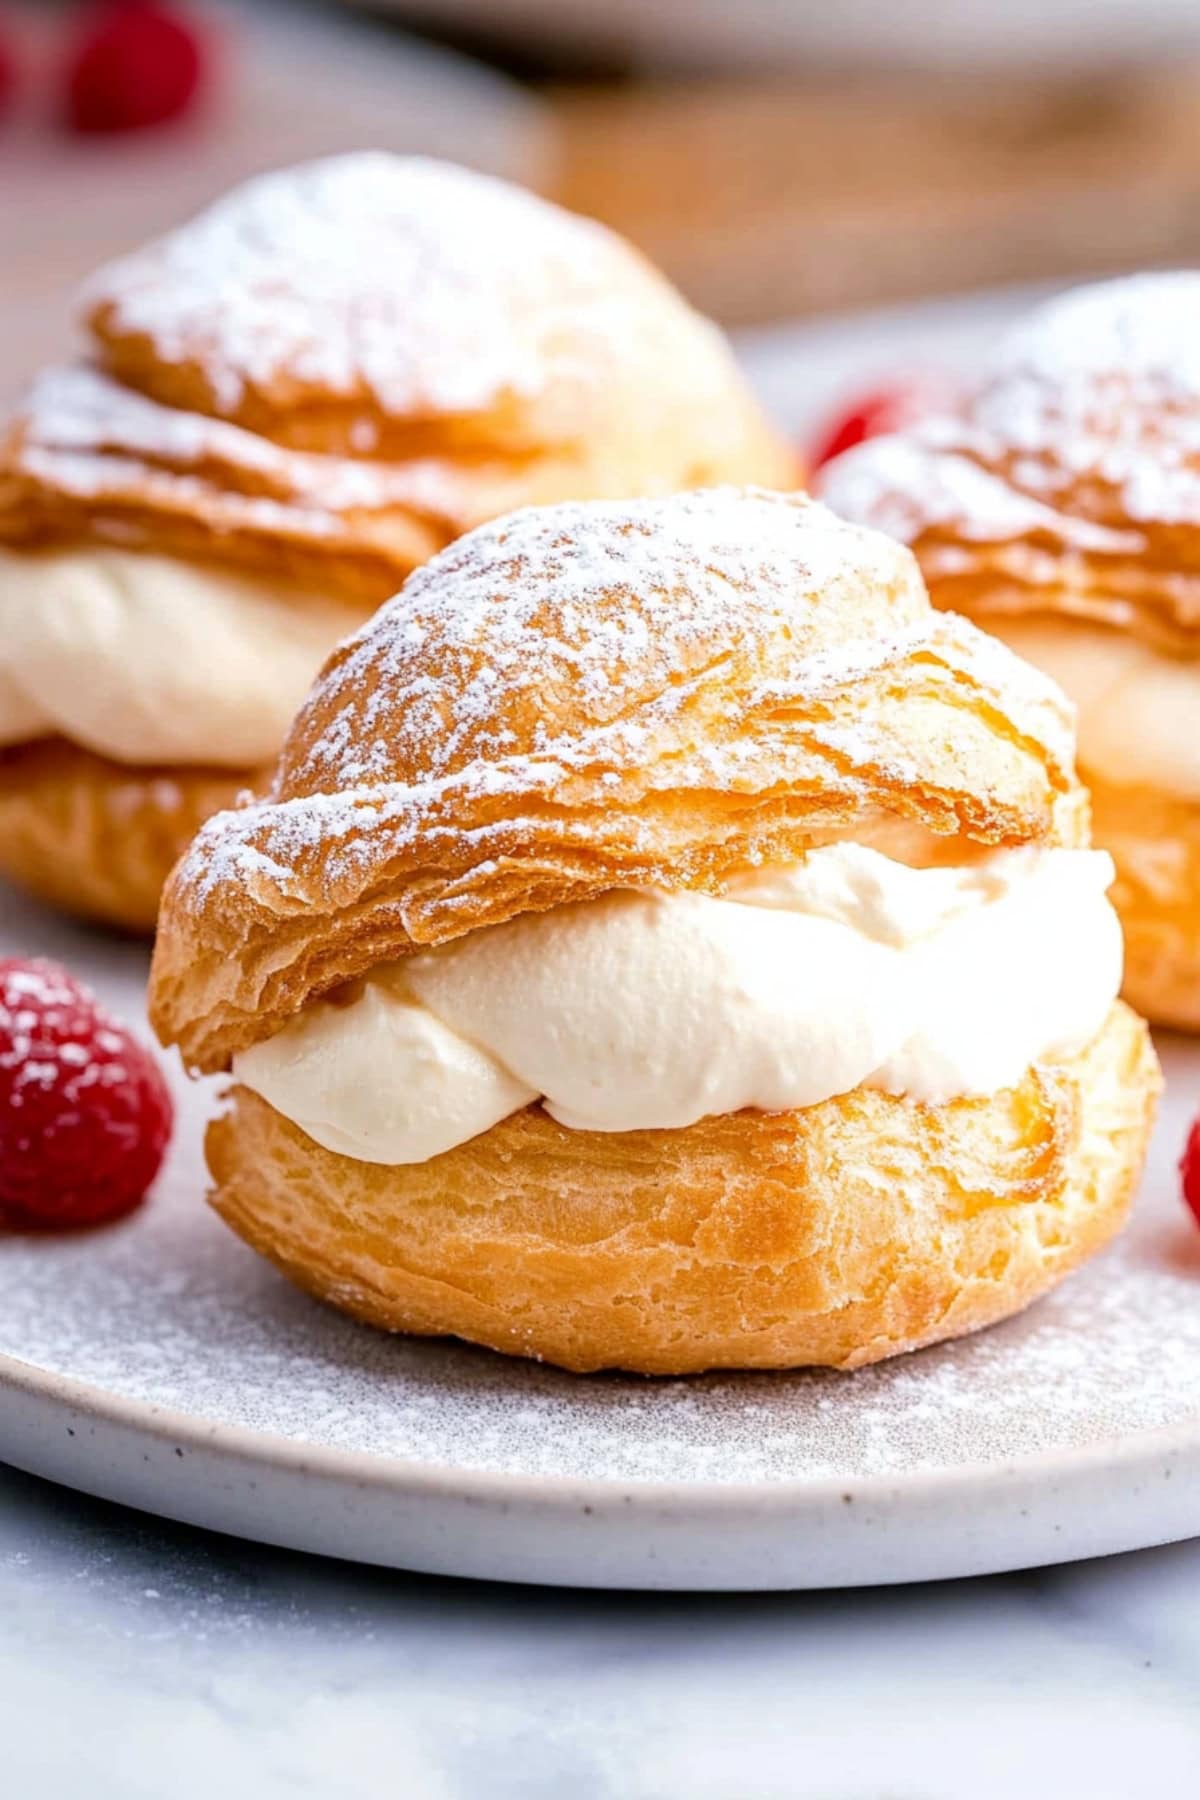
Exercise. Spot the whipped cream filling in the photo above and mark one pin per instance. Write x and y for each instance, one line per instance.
(1138, 710)
(653, 1010)
(147, 659)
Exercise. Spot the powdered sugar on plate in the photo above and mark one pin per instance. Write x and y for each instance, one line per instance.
(169, 1309)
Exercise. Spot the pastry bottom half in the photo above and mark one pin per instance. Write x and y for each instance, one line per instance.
(840, 1234)
(1154, 839)
(99, 838)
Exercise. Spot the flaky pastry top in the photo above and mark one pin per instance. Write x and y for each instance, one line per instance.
(594, 696)
(87, 460)
(340, 368)
(1070, 480)
(367, 295)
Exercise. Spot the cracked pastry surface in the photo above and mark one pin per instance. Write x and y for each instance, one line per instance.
(1061, 509)
(718, 701)
(290, 403)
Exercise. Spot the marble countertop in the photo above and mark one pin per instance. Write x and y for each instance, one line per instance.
(142, 1659)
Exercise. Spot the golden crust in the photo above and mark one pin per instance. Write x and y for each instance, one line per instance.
(1070, 481)
(341, 368)
(1069, 486)
(98, 838)
(1154, 839)
(1050, 566)
(325, 380)
(394, 307)
(837, 1235)
(89, 461)
(599, 696)
(595, 696)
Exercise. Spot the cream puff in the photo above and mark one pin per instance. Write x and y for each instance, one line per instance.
(668, 943)
(289, 404)
(1061, 510)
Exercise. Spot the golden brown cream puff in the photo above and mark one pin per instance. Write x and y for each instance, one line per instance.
(1061, 510)
(289, 404)
(667, 943)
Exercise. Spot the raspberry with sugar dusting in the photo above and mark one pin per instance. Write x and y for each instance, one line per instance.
(85, 1115)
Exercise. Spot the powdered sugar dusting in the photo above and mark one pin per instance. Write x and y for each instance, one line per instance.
(1085, 427)
(32, 998)
(590, 610)
(576, 639)
(935, 478)
(85, 434)
(170, 1309)
(1105, 381)
(1140, 331)
(425, 287)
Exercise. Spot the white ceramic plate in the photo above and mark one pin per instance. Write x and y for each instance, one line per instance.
(160, 1363)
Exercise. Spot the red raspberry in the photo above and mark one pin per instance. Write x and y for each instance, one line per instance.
(1189, 1168)
(84, 1111)
(884, 409)
(8, 75)
(134, 63)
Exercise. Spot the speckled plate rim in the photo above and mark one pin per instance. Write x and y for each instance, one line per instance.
(1051, 1506)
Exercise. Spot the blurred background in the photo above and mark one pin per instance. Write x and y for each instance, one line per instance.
(776, 157)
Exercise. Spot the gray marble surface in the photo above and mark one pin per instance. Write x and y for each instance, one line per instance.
(139, 1660)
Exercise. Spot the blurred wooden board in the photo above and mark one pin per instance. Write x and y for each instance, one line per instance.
(767, 200)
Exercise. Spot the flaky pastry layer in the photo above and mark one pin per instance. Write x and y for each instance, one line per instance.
(1069, 480)
(88, 460)
(591, 697)
(989, 548)
(99, 838)
(1069, 486)
(850, 1231)
(391, 307)
(340, 368)
(1154, 839)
